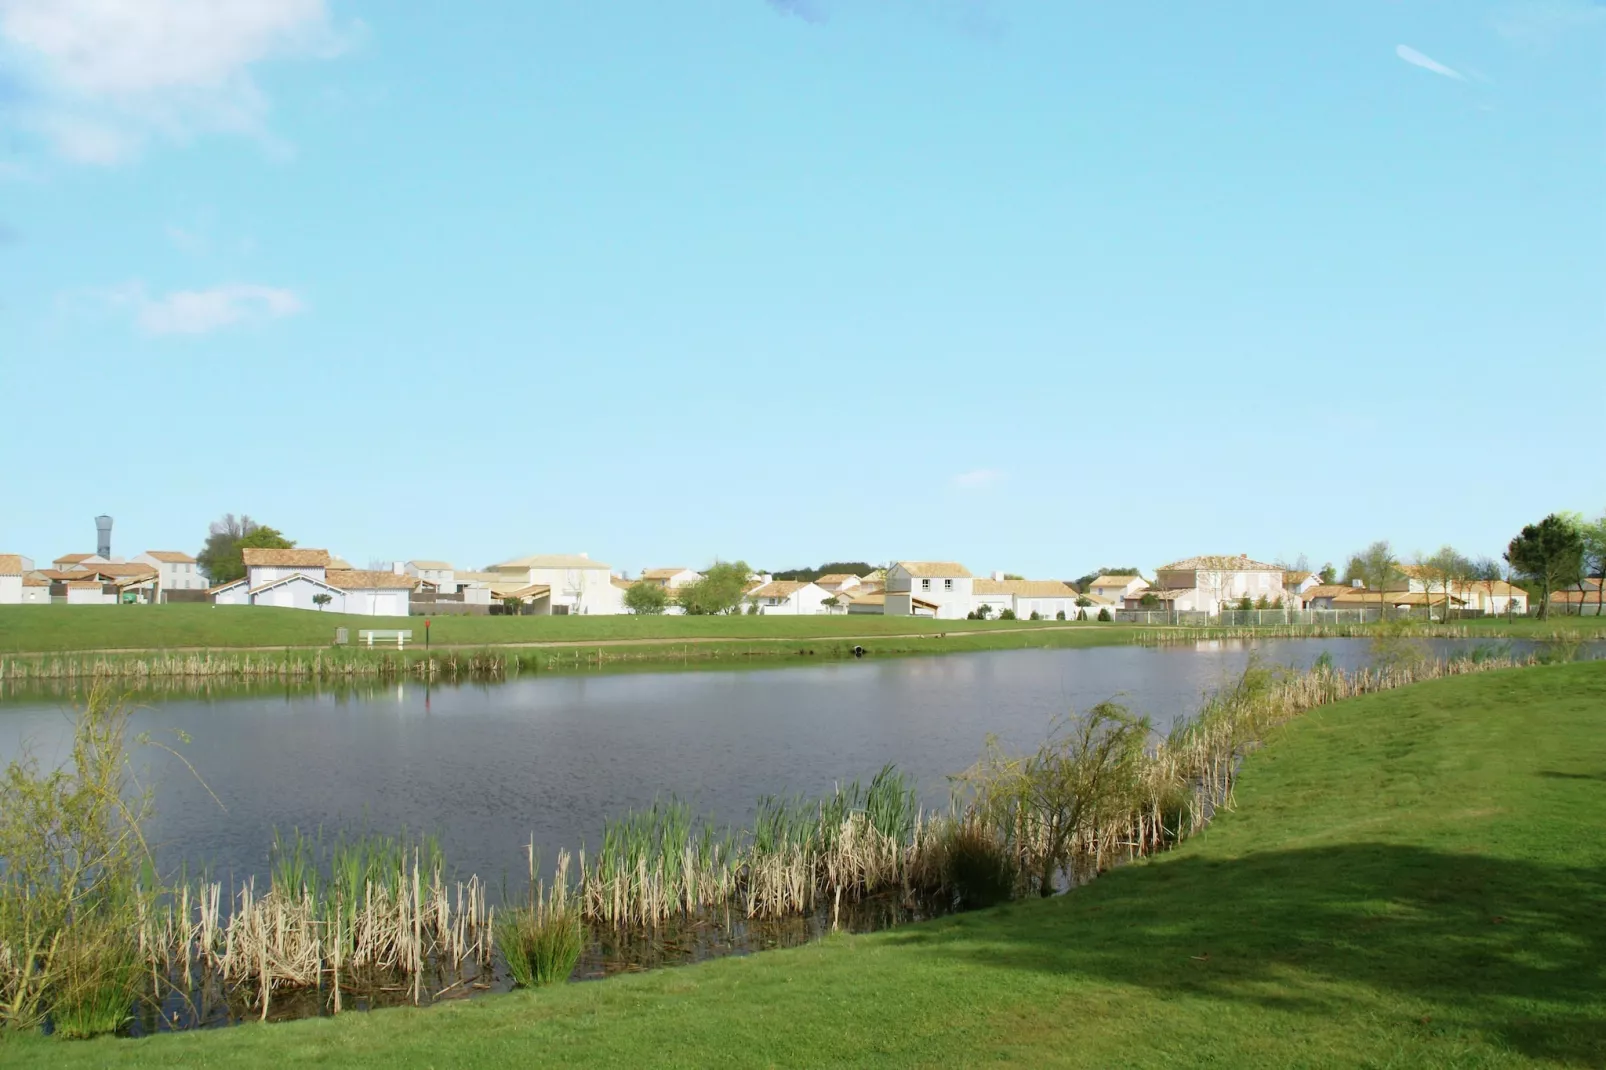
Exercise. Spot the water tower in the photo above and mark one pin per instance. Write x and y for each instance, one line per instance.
(103, 537)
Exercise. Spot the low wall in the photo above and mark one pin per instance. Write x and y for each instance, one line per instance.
(447, 609)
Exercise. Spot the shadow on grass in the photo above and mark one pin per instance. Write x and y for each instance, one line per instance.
(1551, 774)
(1515, 950)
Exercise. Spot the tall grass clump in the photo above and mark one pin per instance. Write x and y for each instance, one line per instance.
(71, 894)
(541, 941)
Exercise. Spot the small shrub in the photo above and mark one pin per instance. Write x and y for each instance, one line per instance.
(1008, 614)
(1081, 614)
(98, 971)
(541, 946)
(752, 609)
(1036, 615)
(979, 869)
(1060, 615)
(1104, 614)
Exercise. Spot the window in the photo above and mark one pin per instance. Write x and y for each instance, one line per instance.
(925, 585)
(947, 585)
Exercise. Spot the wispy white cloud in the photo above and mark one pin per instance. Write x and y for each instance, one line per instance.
(205, 311)
(977, 478)
(103, 77)
(1427, 63)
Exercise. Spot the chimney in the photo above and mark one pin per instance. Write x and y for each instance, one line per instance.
(998, 576)
(1357, 584)
(399, 567)
(103, 537)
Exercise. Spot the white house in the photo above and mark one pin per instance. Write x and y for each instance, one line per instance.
(267, 566)
(1114, 589)
(942, 589)
(10, 579)
(577, 583)
(1047, 598)
(1220, 580)
(371, 594)
(670, 578)
(789, 597)
(838, 583)
(288, 579)
(35, 590)
(88, 593)
(440, 574)
(1321, 596)
(1296, 583)
(67, 561)
(175, 571)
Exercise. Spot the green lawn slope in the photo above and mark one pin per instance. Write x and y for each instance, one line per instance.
(1412, 879)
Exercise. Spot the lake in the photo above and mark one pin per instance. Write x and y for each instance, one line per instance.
(488, 767)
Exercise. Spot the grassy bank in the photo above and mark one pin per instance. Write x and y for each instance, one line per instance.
(1410, 879)
(56, 629)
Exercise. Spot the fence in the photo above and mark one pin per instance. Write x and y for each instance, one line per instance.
(1253, 618)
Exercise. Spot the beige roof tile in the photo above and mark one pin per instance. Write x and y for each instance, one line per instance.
(285, 558)
(170, 557)
(935, 569)
(778, 589)
(1025, 588)
(351, 579)
(432, 565)
(551, 561)
(1220, 563)
(10, 564)
(1115, 581)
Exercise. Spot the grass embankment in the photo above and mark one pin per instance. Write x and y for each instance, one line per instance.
(58, 642)
(1415, 878)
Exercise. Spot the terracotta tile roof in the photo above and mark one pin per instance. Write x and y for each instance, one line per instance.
(935, 569)
(71, 559)
(1392, 598)
(877, 598)
(550, 561)
(34, 581)
(1328, 590)
(84, 585)
(338, 562)
(778, 589)
(10, 564)
(1292, 578)
(432, 565)
(285, 558)
(1115, 581)
(170, 557)
(1220, 563)
(837, 577)
(662, 573)
(117, 572)
(351, 579)
(1025, 588)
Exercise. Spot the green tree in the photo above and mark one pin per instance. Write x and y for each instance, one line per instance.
(1377, 568)
(1594, 535)
(719, 591)
(220, 558)
(830, 602)
(646, 599)
(1328, 574)
(322, 599)
(1445, 572)
(1551, 553)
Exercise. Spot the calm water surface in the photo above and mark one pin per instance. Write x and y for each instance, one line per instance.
(486, 767)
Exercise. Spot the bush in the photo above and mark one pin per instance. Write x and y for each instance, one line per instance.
(1036, 615)
(541, 945)
(984, 612)
(646, 599)
(1008, 614)
(752, 609)
(1081, 614)
(978, 868)
(1060, 615)
(1104, 615)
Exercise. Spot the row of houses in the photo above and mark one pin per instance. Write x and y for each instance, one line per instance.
(564, 584)
(95, 579)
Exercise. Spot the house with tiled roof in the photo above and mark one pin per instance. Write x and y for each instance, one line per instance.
(795, 598)
(671, 579)
(1049, 599)
(1212, 582)
(576, 584)
(175, 570)
(942, 589)
(11, 571)
(1114, 588)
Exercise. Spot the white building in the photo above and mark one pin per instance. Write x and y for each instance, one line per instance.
(175, 571)
(1212, 583)
(838, 583)
(1114, 589)
(88, 593)
(1047, 598)
(942, 589)
(438, 574)
(788, 597)
(670, 579)
(577, 583)
(35, 591)
(10, 579)
(302, 579)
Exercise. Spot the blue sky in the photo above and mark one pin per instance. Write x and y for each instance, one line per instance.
(1033, 286)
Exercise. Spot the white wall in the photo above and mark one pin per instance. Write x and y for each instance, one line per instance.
(90, 597)
(583, 590)
(36, 596)
(10, 590)
(376, 603)
(237, 595)
(803, 602)
(257, 575)
(952, 595)
(298, 594)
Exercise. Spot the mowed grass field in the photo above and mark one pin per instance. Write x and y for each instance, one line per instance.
(1413, 879)
(59, 628)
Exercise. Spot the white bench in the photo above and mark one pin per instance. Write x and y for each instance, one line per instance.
(385, 636)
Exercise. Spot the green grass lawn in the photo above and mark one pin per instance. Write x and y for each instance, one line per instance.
(1414, 879)
(65, 628)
